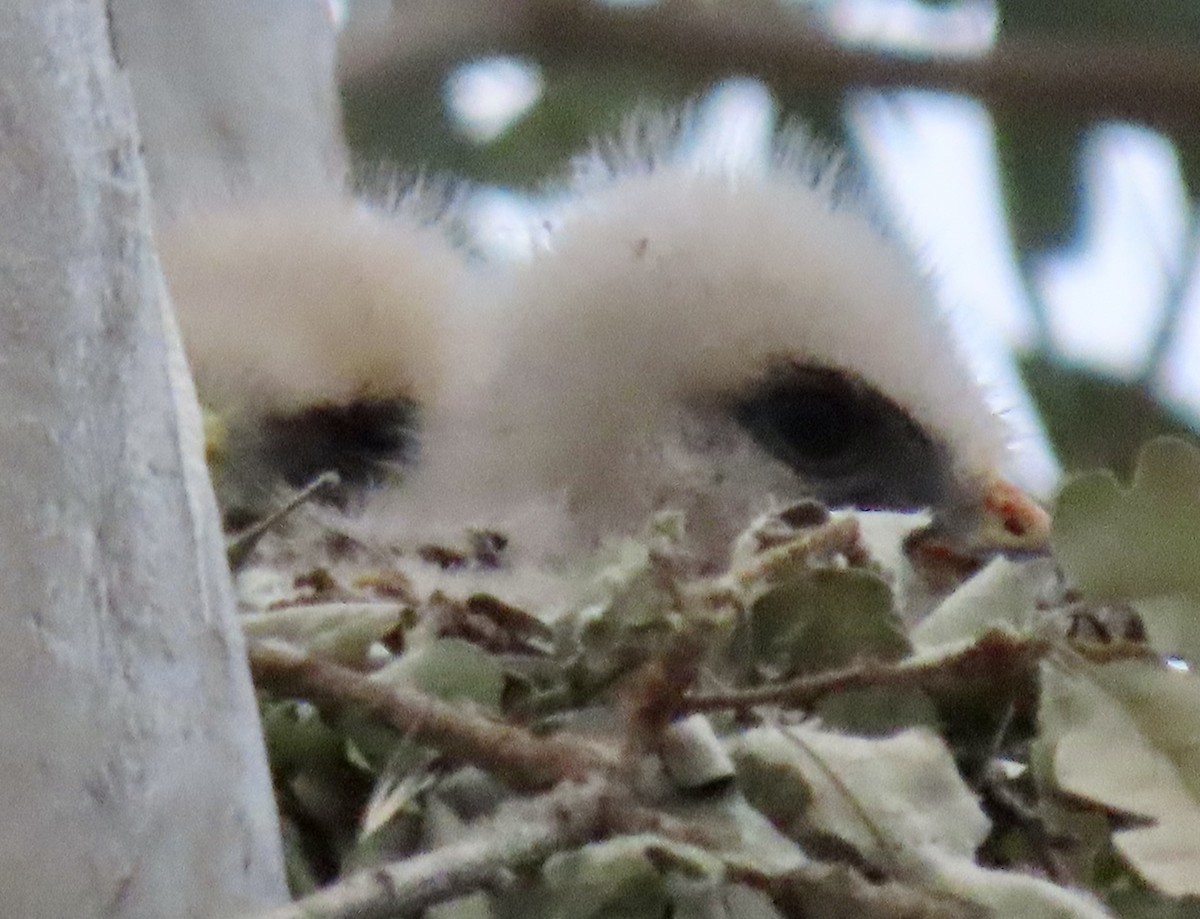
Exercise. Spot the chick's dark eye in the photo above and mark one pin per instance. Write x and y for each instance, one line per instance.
(809, 418)
(849, 443)
(359, 440)
(819, 425)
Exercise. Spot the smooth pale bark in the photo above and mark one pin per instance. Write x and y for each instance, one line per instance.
(235, 98)
(133, 776)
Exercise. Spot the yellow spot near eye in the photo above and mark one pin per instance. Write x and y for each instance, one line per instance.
(216, 437)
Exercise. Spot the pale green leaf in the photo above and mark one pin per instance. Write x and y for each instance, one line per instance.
(1126, 735)
(880, 796)
(741, 835)
(451, 669)
(297, 737)
(472, 906)
(337, 631)
(623, 877)
(743, 902)
(1002, 596)
(623, 591)
(1140, 903)
(1008, 894)
(826, 618)
(1142, 544)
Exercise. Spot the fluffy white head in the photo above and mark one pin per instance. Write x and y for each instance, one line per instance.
(669, 286)
(284, 306)
(317, 331)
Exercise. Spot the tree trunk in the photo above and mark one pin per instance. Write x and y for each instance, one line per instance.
(134, 780)
(235, 98)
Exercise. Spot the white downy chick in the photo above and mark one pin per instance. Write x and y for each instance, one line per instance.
(316, 332)
(720, 341)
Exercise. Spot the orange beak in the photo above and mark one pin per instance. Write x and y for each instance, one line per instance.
(1012, 520)
(1004, 521)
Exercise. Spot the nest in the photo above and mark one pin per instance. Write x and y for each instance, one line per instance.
(829, 727)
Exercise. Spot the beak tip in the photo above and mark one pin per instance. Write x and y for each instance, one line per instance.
(1003, 520)
(1012, 519)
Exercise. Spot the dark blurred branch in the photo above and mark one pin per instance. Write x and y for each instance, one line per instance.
(1155, 84)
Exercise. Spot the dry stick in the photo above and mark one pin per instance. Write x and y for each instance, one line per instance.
(241, 544)
(563, 819)
(840, 536)
(996, 655)
(516, 756)
(1153, 83)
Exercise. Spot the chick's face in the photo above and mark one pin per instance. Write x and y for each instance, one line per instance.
(694, 341)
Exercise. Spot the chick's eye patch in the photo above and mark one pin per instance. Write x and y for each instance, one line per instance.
(849, 442)
(360, 440)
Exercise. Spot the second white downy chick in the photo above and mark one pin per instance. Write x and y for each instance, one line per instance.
(316, 333)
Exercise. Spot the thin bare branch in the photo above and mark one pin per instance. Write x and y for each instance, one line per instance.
(996, 656)
(240, 546)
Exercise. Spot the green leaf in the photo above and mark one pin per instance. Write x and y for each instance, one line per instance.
(341, 632)
(825, 618)
(900, 802)
(880, 796)
(471, 906)
(1124, 735)
(1139, 903)
(625, 612)
(623, 593)
(1090, 856)
(1002, 596)
(1010, 893)
(451, 669)
(301, 879)
(297, 737)
(624, 877)
(1140, 545)
(741, 835)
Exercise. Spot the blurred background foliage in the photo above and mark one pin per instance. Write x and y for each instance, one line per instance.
(574, 68)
